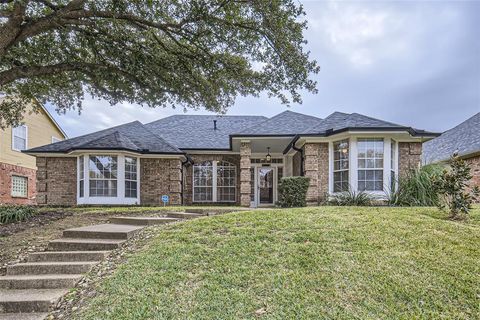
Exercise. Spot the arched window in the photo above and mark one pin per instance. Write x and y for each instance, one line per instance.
(214, 181)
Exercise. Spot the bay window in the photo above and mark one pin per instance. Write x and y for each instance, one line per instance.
(81, 177)
(370, 164)
(214, 181)
(393, 162)
(340, 166)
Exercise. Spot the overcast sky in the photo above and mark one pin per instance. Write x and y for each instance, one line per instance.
(416, 63)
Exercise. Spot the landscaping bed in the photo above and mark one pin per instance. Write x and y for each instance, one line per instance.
(311, 263)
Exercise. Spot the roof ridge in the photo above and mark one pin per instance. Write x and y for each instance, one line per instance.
(161, 138)
(461, 123)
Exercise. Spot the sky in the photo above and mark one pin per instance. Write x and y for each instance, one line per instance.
(416, 63)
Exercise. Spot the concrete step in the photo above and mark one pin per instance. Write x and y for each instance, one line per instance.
(23, 316)
(141, 221)
(70, 244)
(67, 256)
(30, 268)
(103, 231)
(28, 300)
(201, 211)
(183, 215)
(44, 281)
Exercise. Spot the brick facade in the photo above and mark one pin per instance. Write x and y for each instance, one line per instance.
(474, 163)
(245, 175)
(188, 174)
(160, 177)
(316, 168)
(56, 181)
(6, 173)
(410, 156)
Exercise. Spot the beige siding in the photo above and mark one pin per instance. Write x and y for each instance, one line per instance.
(40, 131)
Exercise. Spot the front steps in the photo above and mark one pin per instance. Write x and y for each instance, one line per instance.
(29, 289)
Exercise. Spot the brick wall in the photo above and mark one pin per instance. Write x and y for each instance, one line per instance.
(6, 173)
(160, 177)
(410, 156)
(188, 173)
(316, 168)
(56, 181)
(474, 164)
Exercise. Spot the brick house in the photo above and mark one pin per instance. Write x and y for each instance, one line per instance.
(463, 139)
(235, 160)
(18, 170)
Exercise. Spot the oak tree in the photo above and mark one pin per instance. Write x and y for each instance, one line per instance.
(179, 53)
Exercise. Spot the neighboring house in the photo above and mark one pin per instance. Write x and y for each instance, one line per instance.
(17, 169)
(464, 139)
(197, 159)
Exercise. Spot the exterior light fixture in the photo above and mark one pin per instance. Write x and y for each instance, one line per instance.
(268, 157)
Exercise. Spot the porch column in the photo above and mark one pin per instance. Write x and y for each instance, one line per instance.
(316, 168)
(245, 180)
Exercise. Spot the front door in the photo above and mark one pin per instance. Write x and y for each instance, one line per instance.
(265, 185)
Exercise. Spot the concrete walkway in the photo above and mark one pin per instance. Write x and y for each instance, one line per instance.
(30, 289)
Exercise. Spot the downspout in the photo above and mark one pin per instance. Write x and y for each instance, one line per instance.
(184, 164)
(301, 157)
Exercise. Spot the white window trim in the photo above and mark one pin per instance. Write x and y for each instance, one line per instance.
(26, 138)
(333, 162)
(55, 139)
(120, 198)
(353, 163)
(214, 184)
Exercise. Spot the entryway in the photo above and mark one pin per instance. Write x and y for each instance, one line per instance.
(264, 185)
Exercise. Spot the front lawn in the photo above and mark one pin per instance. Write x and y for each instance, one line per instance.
(312, 263)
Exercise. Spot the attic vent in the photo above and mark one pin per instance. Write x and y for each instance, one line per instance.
(214, 124)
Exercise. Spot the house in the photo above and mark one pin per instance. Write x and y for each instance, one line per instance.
(17, 169)
(237, 160)
(463, 139)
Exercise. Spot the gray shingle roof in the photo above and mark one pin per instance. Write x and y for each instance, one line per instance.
(464, 139)
(197, 132)
(132, 136)
(285, 123)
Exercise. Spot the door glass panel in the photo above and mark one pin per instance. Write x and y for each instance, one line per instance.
(265, 183)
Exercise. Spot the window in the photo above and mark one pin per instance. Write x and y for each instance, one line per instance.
(393, 177)
(203, 182)
(214, 181)
(130, 177)
(226, 177)
(103, 176)
(370, 164)
(55, 139)
(81, 177)
(340, 166)
(19, 138)
(19, 187)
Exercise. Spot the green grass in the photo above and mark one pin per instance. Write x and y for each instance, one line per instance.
(311, 263)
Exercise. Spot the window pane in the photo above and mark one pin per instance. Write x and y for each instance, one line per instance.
(203, 182)
(103, 176)
(370, 164)
(81, 177)
(103, 188)
(340, 165)
(130, 177)
(19, 186)
(130, 189)
(226, 178)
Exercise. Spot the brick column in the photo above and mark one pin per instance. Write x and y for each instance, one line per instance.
(410, 156)
(175, 182)
(310, 156)
(245, 179)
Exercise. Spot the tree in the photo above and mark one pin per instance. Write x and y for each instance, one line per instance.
(452, 186)
(182, 53)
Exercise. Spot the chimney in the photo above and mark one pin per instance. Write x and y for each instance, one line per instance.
(214, 124)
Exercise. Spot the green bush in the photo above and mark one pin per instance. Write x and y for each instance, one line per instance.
(351, 198)
(293, 192)
(416, 188)
(452, 187)
(14, 213)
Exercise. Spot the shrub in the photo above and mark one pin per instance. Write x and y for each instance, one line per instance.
(416, 188)
(452, 186)
(14, 213)
(351, 198)
(293, 192)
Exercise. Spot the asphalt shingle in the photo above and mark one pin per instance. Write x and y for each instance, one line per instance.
(464, 139)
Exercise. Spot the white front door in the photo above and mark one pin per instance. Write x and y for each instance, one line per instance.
(266, 186)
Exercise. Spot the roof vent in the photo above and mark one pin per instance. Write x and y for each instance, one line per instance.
(214, 124)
